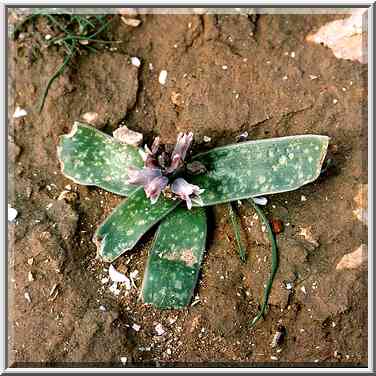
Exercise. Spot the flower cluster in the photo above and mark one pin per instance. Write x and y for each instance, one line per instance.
(163, 169)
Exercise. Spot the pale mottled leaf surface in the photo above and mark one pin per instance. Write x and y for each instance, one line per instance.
(262, 167)
(175, 259)
(128, 222)
(91, 157)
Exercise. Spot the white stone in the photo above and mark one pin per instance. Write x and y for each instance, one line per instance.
(159, 329)
(19, 112)
(162, 77)
(12, 214)
(136, 61)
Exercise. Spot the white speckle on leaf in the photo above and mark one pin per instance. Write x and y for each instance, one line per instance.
(313, 77)
(136, 327)
(303, 290)
(303, 198)
(136, 61)
(12, 214)
(19, 112)
(162, 77)
(123, 359)
(48, 37)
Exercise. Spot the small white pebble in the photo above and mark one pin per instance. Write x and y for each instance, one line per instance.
(168, 351)
(30, 261)
(292, 54)
(303, 290)
(104, 280)
(260, 200)
(189, 25)
(207, 139)
(284, 78)
(135, 61)
(102, 308)
(134, 22)
(12, 214)
(160, 330)
(176, 45)
(151, 66)
(302, 330)
(19, 112)
(344, 89)
(263, 228)
(123, 359)
(303, 198)
(30, 277)
(335, 101)
(273, 357)
(289, 286)
(27, 297)
(224, 67)
(313, 77)
(136, 327)
(48, 37)
(163, 77)
(333, 324)
(68, 187)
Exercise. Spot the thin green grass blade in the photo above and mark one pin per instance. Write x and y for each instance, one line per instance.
(90, 157)
(236, 229)
(262, 167)
(128, 222)
(175, 259)
(274, 267)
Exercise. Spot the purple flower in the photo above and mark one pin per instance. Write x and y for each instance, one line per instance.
(161, 167)
(184, 191)
(183, 143)
(155, 187)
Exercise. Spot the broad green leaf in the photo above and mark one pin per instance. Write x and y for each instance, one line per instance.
(262, 167)
(91, 157)
(174, 261)
(128, 222)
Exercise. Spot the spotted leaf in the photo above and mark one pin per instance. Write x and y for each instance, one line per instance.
(262, 167)
(90, 157)
(128, 222)
(175, 259)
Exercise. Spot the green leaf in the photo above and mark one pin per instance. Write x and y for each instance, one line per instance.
(174, 261)
(262, 167)
(90, 157)
(128, 222)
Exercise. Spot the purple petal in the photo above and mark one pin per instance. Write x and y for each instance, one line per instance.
(184, 190)
(155, 146)
(183, 143)
(175, 163)
(142, 177)
(155, 187)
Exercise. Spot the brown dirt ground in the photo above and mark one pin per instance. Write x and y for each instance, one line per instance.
(326, 326)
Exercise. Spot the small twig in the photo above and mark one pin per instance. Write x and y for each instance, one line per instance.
(269, 284)
(236, 228)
